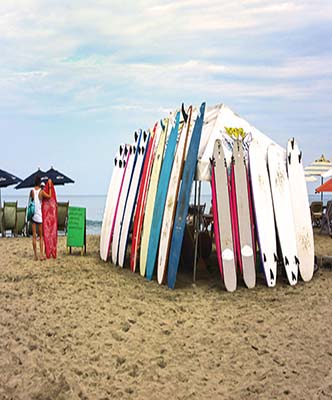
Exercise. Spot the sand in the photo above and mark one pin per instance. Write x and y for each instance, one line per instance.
(77, 328)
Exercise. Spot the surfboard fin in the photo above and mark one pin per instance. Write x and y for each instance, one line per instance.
(124, 164)
(286, 261)
(294, 277)
(297, 261)
(264, 257)
(289, 158)
(162, 124)
(300, 156)
(121, 150)
(213, 161)
(145, 135)
(271, 275)
(120, 163)
(115, 161)
(292, 143)
(136, 136)
(185, 115)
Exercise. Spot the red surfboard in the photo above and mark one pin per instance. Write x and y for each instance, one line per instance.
(50, 223)
(141, 201)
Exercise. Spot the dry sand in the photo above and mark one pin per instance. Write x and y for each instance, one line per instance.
(76, 328)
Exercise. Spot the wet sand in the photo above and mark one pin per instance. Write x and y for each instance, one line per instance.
(77, 328)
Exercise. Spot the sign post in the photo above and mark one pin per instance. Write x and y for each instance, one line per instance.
(76, 231)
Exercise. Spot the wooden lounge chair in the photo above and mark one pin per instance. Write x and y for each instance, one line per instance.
(326, 224)
(316, 210)
(63, 216)
(9, 217)
(20, 227)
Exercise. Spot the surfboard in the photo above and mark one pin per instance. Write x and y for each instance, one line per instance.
(172, 195)
(189, 171)
(215, 215)
(151, 195)
(110, 205)
(283, 213)
(160, 200)
(131, 199)
(50, 223)
(222, 202)
(242, 213)
(141, 199)
(263, 211)
(132, 157)
(127, 154)
(301, 211)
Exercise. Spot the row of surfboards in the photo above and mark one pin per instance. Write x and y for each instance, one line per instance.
(149, 194)
(259, 202)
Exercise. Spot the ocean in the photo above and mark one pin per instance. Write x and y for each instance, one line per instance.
(95, 204)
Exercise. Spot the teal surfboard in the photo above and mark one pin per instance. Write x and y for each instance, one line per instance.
(183, 199)
(160, 200)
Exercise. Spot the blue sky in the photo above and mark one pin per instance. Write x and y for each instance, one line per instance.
(77, 78)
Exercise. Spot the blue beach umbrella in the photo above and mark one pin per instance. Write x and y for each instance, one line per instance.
(29, 182)
(7, 179)
(58, 178)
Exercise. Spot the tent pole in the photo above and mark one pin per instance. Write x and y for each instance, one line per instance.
(197, 227)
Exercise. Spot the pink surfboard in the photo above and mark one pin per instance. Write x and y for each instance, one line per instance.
(141, 201)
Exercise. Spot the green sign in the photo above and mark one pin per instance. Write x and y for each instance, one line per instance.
(76, 228)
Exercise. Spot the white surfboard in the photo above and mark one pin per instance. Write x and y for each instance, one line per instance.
(283, 213)
(122, 200)
(301, 211)
(245, 244)
(263, 209)
(111, 200)
(171, 199)
(227, 248)
(131, 200)
(151, 195)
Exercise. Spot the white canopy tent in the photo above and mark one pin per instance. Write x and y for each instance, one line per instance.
(216, 120)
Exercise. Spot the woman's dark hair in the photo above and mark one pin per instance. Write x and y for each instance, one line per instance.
(37, 181)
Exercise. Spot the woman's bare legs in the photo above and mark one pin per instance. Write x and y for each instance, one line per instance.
(34, 240)
(41, 241)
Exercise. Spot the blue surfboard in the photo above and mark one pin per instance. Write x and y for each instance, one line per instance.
(160, 200)
(183, 199)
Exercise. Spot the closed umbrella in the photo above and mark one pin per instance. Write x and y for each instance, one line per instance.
(7, 179)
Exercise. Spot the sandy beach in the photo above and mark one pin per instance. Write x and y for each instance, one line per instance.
(77, 328)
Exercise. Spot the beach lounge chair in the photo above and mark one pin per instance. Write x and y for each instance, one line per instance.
(63, 216)
(9, 217)
(326, 224)
(20, 227)
(1, 228)
(316, 210)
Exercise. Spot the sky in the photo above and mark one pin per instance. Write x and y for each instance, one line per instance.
(78, 78)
